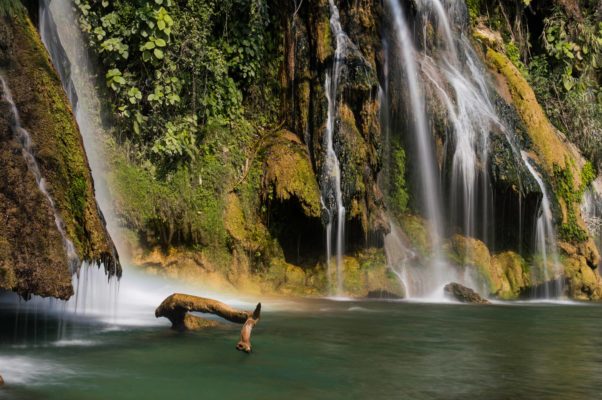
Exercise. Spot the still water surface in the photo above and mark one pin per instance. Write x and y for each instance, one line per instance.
(317, 349)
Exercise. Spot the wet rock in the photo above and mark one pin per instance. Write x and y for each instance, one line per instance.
(583, 283)
(514, 272)
(356, 139)
(463, 294)
(367, 272)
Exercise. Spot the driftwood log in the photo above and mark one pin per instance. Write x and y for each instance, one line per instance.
(176, 309)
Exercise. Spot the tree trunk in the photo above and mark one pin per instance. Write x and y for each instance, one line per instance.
(177, 307)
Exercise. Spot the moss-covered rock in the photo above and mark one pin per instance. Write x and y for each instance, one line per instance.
(513, 272)
(366, 272)
(309, 52)
(36, 256)
(288, 173)
(583, 282)
(473, 253)
(416, 229)
(561, 162)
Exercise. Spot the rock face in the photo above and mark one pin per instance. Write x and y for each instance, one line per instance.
(32, 257)
(309, 52)
(562, 165)
(463, 294)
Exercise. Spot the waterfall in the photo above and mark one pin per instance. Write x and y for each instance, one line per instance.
(63, 39)
(591, 209)
(27, 151)
(472, 116)
(440, 272)
(450, 73)
(132, 299)
(331, 174)
(545, 238)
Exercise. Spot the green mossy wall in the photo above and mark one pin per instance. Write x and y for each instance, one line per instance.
(36, 256)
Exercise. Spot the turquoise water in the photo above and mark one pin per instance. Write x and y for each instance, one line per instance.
(317, 350)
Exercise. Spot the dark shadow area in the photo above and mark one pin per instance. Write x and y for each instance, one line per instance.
(301, 237)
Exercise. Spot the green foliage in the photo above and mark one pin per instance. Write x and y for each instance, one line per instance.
(566, 78)
(474, 9)
(174, 66)
(188, 80)
(513, 53)
(577, 46)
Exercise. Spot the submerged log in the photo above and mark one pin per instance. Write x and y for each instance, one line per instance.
(177, 307)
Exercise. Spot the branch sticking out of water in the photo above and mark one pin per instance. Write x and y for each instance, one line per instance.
(177, 307)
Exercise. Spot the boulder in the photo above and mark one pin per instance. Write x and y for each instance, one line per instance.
(463, 294)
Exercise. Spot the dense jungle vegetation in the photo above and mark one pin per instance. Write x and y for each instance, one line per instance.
(193, 86)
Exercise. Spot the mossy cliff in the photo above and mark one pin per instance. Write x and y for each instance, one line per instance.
(32, 257)
(561, 163)
(309, 51)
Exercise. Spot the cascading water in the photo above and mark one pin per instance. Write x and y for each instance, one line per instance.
(27, 151)
(591, 209)
(448, 72)
(459, 78)
(68, 52)
(545, 238)
(439, 273)
(331, 175)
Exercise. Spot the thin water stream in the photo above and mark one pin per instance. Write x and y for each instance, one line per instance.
(331, 175)
(27, 151)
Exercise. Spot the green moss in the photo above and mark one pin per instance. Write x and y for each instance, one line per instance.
(541, 132)
(470, 252)
(399, 189)
(571, 192)
(474, 9)
(59, 148)
(515, 274)
(568, 182)
(416, 229)
(513, 53)
(289, 173)
(324, 39)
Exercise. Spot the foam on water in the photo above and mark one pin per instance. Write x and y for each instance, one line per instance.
(19, 370)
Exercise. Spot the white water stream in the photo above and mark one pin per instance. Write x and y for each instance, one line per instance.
(331, 175)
